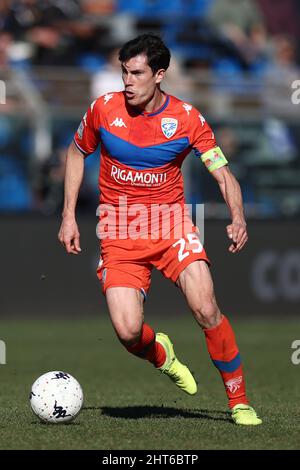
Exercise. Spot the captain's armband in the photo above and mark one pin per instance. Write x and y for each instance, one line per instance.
(214, 159)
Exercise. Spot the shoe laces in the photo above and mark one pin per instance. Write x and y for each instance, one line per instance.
(168, 369)
(249, 410)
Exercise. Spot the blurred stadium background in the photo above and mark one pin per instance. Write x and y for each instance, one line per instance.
(236, 60)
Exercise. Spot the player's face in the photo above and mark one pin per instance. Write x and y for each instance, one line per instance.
(139, 80)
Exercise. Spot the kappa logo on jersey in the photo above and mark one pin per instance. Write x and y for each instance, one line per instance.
(169, 126)
(118, 122)
(234, 384)
(92, 105)
(202, 120)
(187, 107)
(108, 97)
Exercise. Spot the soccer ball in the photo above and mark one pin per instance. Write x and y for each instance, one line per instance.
(56, 397)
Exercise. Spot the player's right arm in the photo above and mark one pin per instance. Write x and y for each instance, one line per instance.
(69, 234)
(85, 142)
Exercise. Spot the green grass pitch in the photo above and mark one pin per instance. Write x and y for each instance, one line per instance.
(129, 405)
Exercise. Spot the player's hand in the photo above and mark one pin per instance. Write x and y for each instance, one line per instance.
(237, 232)
(69, 235)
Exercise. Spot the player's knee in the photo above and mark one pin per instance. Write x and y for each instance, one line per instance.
(207, 314)
(128, 334)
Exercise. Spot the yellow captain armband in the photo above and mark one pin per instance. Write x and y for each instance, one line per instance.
(214, 159)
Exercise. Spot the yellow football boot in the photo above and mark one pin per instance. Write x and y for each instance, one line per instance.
(245, 415)
(178, 373)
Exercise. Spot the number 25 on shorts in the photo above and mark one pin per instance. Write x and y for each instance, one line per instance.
(195, 246)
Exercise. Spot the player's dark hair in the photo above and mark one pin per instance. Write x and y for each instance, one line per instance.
(152, 46)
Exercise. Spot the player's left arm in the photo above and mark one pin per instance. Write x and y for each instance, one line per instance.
(205, 147)
(231, 191)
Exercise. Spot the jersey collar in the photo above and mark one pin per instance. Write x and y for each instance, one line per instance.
(157, 111)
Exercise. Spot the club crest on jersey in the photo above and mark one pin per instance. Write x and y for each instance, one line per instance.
(169, 126)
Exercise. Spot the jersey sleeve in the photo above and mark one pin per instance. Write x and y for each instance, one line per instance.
(87, 136)
(203, 142)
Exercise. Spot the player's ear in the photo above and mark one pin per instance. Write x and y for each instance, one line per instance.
(160, 75)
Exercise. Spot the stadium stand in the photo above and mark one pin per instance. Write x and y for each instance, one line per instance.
(238, 68)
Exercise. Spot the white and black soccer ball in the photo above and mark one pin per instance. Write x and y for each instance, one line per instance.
(56, 397)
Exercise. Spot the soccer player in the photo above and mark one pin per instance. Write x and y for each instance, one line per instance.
(145, 134)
